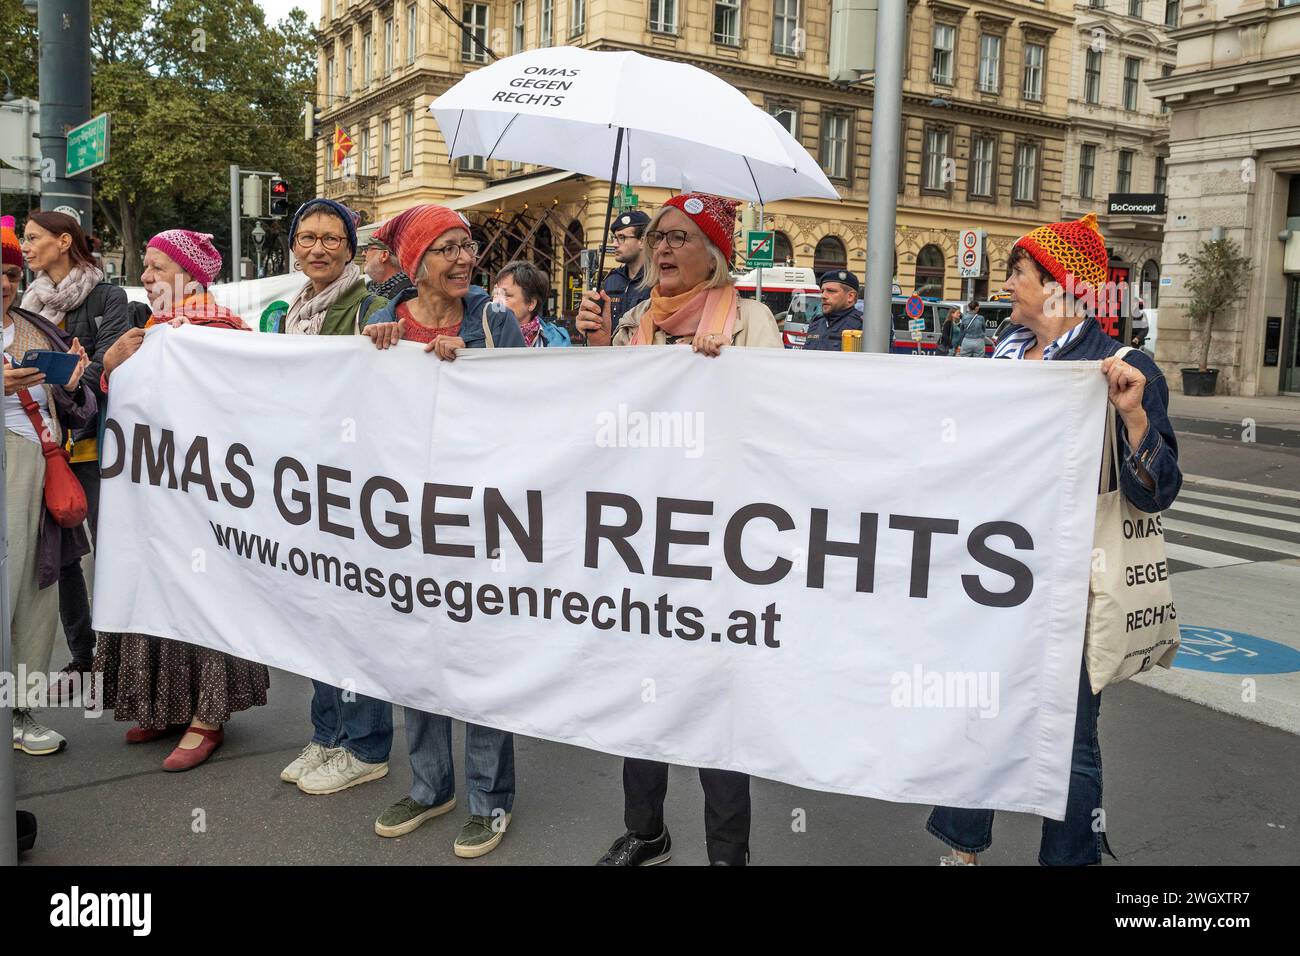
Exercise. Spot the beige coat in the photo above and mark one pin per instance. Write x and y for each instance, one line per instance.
(755, 327)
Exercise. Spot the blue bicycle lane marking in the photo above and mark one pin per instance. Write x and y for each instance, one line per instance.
(1221, 651)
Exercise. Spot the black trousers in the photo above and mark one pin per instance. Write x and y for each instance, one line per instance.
(74, 599)
(726, 806)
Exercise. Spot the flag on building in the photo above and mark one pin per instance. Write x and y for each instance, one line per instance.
(342, 145)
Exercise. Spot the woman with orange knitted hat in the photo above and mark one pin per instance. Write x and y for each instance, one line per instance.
(693, 301)
(1055, 275)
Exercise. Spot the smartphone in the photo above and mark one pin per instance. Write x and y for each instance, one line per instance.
(57, 367)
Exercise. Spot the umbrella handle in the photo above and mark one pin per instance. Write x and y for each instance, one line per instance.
(609, 212)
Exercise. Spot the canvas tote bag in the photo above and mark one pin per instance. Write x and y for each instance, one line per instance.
(1132, 624)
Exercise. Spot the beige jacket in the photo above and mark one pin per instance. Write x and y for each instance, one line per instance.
(755, 327)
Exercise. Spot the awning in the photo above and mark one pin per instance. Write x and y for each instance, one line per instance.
(514, 187)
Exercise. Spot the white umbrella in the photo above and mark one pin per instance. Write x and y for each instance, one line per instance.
(653, 122)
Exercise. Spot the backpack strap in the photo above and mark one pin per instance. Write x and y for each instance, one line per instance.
(487, 329)
(362, 309)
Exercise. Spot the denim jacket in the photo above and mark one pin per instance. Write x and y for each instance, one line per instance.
(1158, 452)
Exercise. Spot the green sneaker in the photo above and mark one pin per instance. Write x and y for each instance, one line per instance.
(480, 836)
(407, 814)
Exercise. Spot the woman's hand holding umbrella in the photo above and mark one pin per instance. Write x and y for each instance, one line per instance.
(593, 318)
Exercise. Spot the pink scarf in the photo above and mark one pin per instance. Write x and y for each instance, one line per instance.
(698, 312)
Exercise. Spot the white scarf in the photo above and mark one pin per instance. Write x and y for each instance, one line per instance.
(56, 301)
(307, 310)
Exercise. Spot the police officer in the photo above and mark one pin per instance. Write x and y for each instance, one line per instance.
(839, 296)
(624, 284)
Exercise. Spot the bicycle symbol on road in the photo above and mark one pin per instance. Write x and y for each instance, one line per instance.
(1214, 645)
(1221, 651)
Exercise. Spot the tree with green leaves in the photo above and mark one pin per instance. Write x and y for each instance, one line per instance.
(192, 86)
(1219, 273)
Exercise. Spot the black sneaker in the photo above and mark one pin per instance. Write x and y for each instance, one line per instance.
(631, 850)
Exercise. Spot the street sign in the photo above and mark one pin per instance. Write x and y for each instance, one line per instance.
(88, 145)
(626, 199)
(914, 307)
(917, 327)
(1135, 204)
(761, 248)
(970, 253)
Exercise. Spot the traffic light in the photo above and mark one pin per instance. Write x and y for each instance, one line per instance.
(279, 198)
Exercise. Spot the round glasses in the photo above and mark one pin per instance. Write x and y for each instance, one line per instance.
(451, 251)
(676, 238)
(305, 240)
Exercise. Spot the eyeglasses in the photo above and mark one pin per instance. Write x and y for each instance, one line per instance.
(625, 236)
(676, 238)
(451, 251)
(306, 240)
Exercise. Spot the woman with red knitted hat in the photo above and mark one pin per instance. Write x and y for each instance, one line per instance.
(167, 686)
(1055, 276)
(37, 416)
(692, 300)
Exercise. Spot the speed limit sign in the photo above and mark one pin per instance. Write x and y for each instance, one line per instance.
(970, 253)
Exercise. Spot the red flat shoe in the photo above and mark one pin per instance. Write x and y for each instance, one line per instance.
(180, 759)
(142, 735)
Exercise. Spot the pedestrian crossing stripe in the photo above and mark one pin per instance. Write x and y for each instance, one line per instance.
(1211, 526)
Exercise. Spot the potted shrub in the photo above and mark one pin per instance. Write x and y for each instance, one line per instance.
(1218, 279)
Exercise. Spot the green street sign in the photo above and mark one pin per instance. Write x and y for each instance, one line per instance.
(761, 248)
(626, 199)
(88, 145)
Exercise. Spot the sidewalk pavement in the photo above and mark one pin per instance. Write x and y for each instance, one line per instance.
(1279, 411)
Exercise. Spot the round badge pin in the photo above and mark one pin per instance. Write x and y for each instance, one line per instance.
(693, 206)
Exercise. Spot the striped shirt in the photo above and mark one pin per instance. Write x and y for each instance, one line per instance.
(1015, 345)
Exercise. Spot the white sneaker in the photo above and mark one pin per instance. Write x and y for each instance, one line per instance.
(34, 738)
(312, 756)
(340, 771)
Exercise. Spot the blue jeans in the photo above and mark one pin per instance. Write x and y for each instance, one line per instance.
(489, 763)
(362, 726)
(1079, 839)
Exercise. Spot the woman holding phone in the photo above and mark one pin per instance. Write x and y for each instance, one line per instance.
(38, 547)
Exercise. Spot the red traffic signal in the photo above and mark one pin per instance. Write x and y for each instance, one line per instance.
(279, 198)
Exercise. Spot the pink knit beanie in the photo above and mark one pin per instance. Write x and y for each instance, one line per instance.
(192, 251)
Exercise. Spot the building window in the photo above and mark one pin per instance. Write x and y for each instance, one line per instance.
(663, 16)
(1024, 189)
(1124, 181)
(367, 59)
(1135, 8)
(941, 59)
(388, 46)
(386, 148)
(517, 44)
(476, 20)
(930, 264)
(1097, 4)
(1087, 169)
(1092, 77)
(365, 149)
(412, 32)
(1132, 73)
(788, 117)
(408, 141)
(577, 17)
(786, 35)
(936, 160)
(331, 81)
(1162, 176)
(1034, 55)
(545, 20)
(835, 145)
(990, 78)
(983, 163)
(1165, 70)
(726, 22)
(473, 164)
(829, 255)
(1172, 12)
(347, 70)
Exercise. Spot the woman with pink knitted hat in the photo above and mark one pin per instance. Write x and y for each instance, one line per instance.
(37, 416)
(693, 300)
(165, 685)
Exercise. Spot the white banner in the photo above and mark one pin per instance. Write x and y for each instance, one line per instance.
(855, 573)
